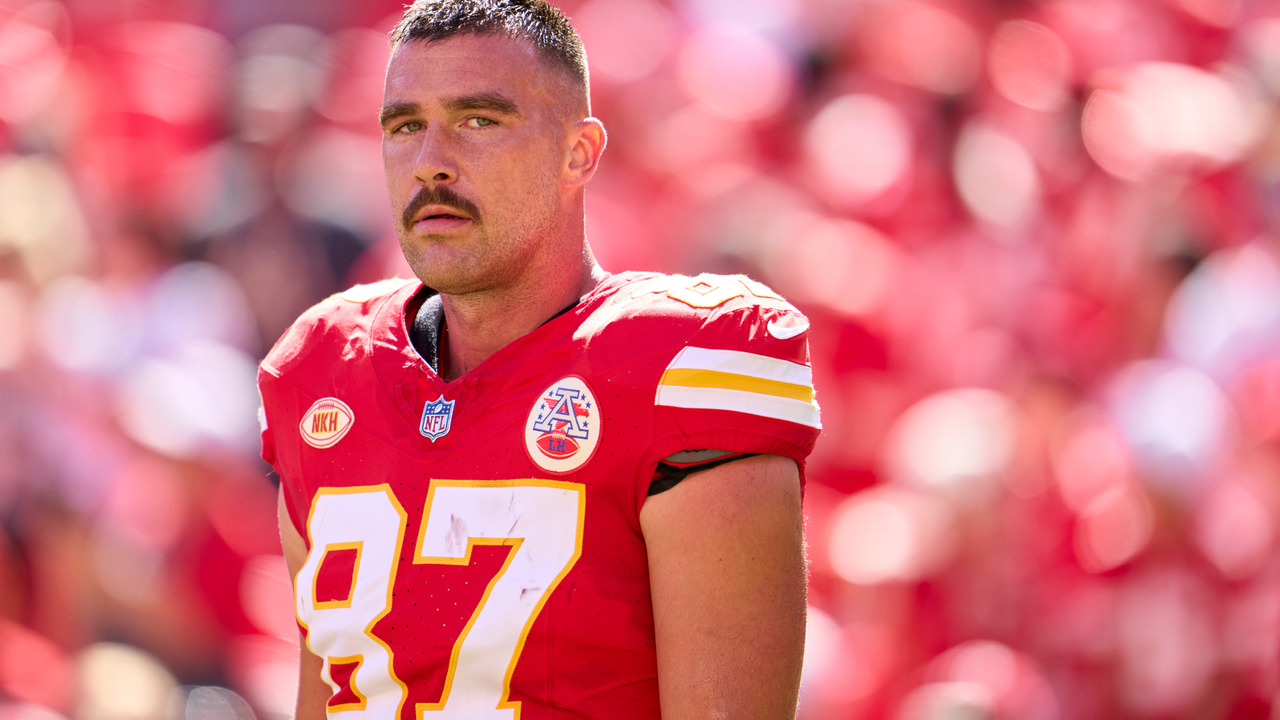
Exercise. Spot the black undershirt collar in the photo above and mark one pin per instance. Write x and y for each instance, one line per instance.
(428, 324)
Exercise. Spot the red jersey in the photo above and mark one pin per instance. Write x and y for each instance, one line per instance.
(474, 546)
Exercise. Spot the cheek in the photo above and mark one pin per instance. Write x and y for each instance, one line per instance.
(390, 168)
(398, 163)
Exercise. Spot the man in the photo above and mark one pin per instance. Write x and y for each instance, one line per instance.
(520, 487)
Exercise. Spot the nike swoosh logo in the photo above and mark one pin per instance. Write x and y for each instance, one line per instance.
(786, 333)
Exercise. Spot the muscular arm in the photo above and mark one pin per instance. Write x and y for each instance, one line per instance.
(313, 692)
(727, 570)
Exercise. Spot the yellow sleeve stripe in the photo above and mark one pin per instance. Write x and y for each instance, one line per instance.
(742, 363)
(736, 381)
(694, 378)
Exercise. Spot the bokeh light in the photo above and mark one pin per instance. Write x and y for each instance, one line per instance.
(926, 45)
(1167, 643)
(1090, 460)
(1225, 314)
(626, 40)
(734, 73)
(204, 395)
(1113, 528)
(32, 60)
(994, 677)
(1030, 65)
(1261, 39)
(952, 439)
(33, 669)
(859, 146)
(841, 264)
(996, 176)
(122, 683)
(267, 595)
(171, 70)
(40, 219)
(1235, 530)
(1176, 420)
(891, 535)
(209, 703)
(1167, 112)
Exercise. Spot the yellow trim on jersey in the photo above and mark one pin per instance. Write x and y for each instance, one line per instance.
(689, 377)
(707, 379)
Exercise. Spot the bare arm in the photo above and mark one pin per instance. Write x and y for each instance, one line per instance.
(313, 692)
(727, 570)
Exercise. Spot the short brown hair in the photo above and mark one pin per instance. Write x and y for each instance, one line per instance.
(535, 21)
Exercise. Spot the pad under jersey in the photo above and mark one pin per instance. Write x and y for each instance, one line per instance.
(474, 546)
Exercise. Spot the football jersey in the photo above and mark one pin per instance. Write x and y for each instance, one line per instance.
(474, 546)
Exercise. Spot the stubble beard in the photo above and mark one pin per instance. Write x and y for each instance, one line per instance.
(486, 260)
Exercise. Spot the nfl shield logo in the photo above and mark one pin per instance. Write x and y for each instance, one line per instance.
(436, 418)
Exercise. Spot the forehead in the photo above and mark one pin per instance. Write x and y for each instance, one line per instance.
(466, 64)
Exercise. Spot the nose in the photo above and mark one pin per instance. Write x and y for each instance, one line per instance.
(436, 164)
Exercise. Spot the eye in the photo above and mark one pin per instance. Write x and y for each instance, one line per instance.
(411, 126)
(480, 122)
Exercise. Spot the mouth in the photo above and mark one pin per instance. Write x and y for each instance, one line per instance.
(440, 218)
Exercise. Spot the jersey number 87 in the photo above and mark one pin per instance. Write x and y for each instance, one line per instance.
(542, 522)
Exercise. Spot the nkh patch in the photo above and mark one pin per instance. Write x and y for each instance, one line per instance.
(563, 427)
(437, 418)
(326, 422)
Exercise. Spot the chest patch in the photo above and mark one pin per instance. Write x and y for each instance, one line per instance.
(563, 427)
(328, 421)
(437, 418)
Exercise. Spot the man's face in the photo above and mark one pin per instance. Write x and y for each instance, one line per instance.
(474, 142)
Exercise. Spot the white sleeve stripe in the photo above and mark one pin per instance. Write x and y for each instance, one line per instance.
(770, 406)
(742, 363)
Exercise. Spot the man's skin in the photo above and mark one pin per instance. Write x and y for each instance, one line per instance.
(486, 120)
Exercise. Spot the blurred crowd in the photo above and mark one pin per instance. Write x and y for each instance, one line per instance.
(1039, 242)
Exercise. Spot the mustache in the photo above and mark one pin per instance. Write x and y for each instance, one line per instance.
(438, 195)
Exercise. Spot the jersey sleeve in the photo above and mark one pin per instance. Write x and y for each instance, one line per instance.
(299, 370)
(741, 384)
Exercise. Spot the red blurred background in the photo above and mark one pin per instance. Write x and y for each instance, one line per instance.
(1038, 241)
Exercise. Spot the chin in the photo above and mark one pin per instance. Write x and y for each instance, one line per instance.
(447, 278)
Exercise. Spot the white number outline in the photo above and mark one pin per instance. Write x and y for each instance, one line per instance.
(505, 701)
(384, 488)
(515, 543)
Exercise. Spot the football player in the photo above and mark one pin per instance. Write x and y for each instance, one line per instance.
(517, 486)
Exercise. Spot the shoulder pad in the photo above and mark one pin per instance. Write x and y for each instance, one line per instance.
(659, 315)
(708, 291)
(339, 317)
(370, 291)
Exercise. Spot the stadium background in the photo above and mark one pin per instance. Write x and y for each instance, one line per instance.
(1037, 241)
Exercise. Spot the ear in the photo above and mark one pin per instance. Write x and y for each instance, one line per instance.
(586, 143)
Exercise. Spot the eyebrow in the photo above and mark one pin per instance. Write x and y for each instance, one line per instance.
(397, 110)
(492, 101)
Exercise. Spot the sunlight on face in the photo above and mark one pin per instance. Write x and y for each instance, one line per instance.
(475, 135)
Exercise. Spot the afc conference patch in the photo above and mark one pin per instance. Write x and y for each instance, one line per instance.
(437, 418)
(563, 427)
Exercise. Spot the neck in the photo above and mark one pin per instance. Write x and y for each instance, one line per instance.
(476, 325)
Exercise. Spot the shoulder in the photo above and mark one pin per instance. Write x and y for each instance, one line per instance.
(722, 312)
(722, 361)
(335, 324)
